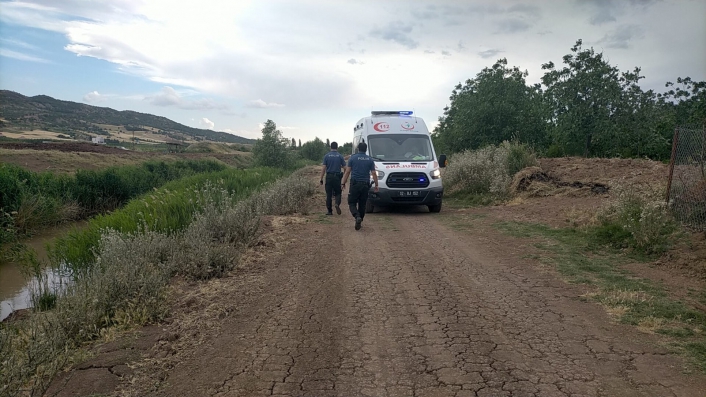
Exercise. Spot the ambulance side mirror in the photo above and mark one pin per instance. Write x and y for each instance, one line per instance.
(442, 161)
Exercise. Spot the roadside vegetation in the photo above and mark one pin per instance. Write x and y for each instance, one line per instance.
(32, 200)
(483, 176)
(196, 228)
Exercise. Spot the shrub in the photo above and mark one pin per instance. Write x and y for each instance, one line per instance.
(637, 217)
(313, 150)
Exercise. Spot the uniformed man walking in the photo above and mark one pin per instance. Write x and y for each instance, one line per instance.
(360, 167)
(331, 167)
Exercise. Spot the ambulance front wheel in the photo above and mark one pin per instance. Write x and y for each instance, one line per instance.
(369, 207)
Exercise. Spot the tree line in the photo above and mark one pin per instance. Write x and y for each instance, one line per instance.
(586, 107)
(274, 150)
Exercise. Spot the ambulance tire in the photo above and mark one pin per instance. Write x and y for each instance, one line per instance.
(369, 208)
(434, 208)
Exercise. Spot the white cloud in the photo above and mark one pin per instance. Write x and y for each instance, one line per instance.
(170, 97)
(93, 97)
(21, 56)
(259, 103)
(206, 123)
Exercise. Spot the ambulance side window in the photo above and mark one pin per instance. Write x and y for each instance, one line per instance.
(356, 141)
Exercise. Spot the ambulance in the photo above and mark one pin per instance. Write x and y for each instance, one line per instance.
(407, 167)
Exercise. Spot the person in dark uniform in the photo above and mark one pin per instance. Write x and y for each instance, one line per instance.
(331, 167)
(360, 167)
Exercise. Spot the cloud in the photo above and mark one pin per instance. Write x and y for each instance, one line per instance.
(445, 53)
(530, 10)
(259, 103)
(170, 97)
(428, 51)
(94, 97)
(622, 36)
(206, 123)
(287, 128)
(21, 56)
(397, 32)
(607, 11)
(353, 61)
(490, 53)
(512, 25)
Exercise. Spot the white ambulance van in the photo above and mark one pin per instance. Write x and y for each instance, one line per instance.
(405, 161)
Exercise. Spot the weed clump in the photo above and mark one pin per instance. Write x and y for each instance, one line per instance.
(487, 171)
(638, 218)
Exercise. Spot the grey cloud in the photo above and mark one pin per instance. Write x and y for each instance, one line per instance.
(527, 9)
(489, 53)
(397, 32)
(461, 47)
(352, 61)
(622, 36)
(445, 53)
(605, 11)
(428, 51)
(512, 26)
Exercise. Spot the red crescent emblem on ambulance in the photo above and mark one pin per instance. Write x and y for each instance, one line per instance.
(381, 126)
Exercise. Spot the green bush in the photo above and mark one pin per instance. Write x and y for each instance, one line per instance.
(314, 150)
(637, 217)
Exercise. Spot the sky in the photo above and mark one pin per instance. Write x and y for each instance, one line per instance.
(315, 67)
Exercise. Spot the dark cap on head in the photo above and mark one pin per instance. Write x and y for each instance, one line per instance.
(334, 145)
(362, 147)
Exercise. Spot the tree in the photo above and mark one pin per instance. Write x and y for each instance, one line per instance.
(583, 98)
(271, 149)
(346, 148)
(328, 143)
(495, 106)
(300, 143)
(314, 150)
(294, 143)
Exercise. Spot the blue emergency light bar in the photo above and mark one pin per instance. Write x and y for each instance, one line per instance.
(391, 112)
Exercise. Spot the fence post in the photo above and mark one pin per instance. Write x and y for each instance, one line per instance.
(671, 162)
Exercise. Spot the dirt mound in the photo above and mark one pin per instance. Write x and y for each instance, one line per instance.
(606, 171)
(536, 182)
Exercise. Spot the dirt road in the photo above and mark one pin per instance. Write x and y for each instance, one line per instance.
(403, 307)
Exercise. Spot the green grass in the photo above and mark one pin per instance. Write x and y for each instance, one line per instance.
(580, 257)
(167, 209)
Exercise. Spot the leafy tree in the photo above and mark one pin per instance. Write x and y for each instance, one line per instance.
(495, 106)
(328, 143)
(300, 143)
(583, 97)
(294, 143)
(271, 149)
(346, 148)
(314, 150)
(686, 101)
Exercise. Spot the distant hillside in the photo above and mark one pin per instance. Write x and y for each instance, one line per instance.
(47, 113)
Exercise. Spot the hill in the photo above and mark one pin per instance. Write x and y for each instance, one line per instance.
(72, 118)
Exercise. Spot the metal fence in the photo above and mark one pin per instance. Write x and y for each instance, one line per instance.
(686, 187)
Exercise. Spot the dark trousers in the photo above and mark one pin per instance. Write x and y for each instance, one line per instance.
(357, 197)
(333, 188)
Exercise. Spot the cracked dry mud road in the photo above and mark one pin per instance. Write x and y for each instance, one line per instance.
(406, 307)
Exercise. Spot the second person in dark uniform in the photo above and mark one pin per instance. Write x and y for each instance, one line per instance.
(360, 168)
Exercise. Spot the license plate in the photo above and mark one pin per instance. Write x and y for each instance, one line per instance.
(408, 193)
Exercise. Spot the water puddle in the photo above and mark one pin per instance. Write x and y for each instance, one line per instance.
(15, 286)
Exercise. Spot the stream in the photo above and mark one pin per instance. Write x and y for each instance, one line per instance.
(15, 286)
